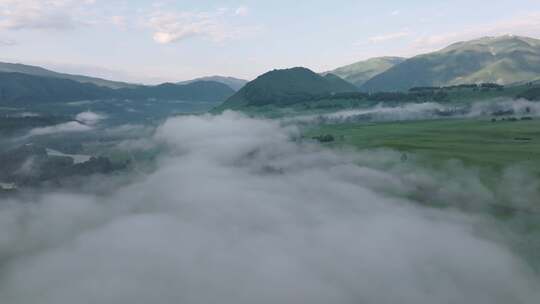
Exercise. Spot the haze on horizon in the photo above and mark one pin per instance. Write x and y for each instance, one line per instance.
(153, 41)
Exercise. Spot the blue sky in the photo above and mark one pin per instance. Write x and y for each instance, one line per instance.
(153, 41)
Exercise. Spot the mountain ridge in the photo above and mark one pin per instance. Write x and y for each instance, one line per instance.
(19, 88)
(233, 82)
(502, 60)
(7, 67)
(286, 86)
(359, 72)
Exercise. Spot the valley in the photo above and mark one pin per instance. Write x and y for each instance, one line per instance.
(296, 186)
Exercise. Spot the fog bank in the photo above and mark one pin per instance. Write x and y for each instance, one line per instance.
(428, 110)
(237, 211)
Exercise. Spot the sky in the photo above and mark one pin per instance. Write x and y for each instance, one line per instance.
(152, 41)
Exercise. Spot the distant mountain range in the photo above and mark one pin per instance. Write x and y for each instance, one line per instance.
(18, 88)
(234, 83)
(283, 87)
(505, 60)
(39, 71)
(209, 91)
(360, 72)
(502, 60)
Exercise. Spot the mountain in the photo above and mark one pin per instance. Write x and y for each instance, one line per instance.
(18, 88)
(39, 71)
(339, 84)
(360, 72)
(503, 60)
(234, 83)
(283, 87)
(209, 91)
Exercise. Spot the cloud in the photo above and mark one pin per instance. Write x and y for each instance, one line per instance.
(389, 37)
(7, 42)
(84, 122)
(72, 126)
(242, 11)
(40, 14)
(424, 111)
(170, 26)
(89, 118)
(119, 21)
(237, 211)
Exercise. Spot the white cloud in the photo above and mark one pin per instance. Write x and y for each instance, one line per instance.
(242, 11)
(72, 126)
(171, 26)
(40, 14)
(7, 42)
(84, 121)
(119, 21)
(89, 118)
(389, 37)
(237, 212)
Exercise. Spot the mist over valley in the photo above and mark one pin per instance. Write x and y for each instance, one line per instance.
(306, 172)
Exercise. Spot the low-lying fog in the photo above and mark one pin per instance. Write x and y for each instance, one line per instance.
(427, 110)
(238, 211)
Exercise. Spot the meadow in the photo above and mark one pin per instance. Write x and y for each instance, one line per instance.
(476, 142)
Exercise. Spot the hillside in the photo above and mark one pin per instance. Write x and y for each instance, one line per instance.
(283, 87)
(531, 94)
(24, 88)
(339, 84)
(360, 72)
(234, 83)
(39, 71)
(209, 91)
(503, 60)
(17, 88)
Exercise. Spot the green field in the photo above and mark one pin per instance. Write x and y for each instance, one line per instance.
(479, 142)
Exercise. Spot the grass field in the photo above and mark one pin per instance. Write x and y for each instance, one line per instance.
(475, 142)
